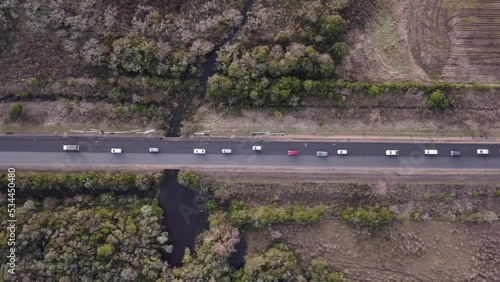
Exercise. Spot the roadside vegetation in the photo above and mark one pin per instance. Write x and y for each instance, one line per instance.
(107, 226)
(356, 231)
(63, 231)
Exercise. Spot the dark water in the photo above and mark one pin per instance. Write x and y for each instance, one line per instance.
(208, 67)
(183, 219)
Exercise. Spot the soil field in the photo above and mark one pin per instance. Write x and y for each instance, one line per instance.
(460, 40)
(428, 40)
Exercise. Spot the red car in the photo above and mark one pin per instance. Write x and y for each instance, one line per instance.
(293, 153)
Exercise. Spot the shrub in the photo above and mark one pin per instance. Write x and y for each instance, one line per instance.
(415, 215)
(374, 217)
(438, 100)
(15, 111)
(373, 91)
(33, 81)
(240, 214)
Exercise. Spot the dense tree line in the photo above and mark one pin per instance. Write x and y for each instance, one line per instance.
(93, 238)
(79, 182)
(273, 74)
(267, 76)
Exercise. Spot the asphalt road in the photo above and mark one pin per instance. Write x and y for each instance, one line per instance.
(25, 151)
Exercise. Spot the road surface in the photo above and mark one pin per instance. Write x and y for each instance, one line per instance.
(47, 152)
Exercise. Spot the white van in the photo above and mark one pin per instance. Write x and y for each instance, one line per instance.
(431, 152)
(71, 147)
(257, 148)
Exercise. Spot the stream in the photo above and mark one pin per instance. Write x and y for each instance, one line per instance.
(184, 218)
(208, 67)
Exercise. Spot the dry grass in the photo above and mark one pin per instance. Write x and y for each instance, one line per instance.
(433, 246)
(438, 200)
(405, 251)
(475, 114)
(61, 116)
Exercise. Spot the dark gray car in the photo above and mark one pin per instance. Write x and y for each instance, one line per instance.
(322, 154)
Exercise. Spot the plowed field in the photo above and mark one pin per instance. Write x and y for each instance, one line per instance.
(459, 40)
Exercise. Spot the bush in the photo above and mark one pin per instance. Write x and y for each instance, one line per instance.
(33, 81)
(318, 271)
(197, 182)
(373, 217)
(373, 91)
(415, 215)
(438, 100)
(15, 111)
(263, 216)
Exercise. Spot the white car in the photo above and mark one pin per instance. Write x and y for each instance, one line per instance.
(257, 148)
(482, 151)
(226, 151)
(199, 151)
(341, 152)
(431, 152)
(392, 152)
(154, 150)
(116, 150)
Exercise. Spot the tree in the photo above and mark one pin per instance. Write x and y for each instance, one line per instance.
(332, 25)
(339, 50)
(277, 264)
(438, 100)
(260, 53)
(105, 250)
(283, 91)
(308, 85)
(219, 86)
(15, 111)
(282, 38)
(319, 272)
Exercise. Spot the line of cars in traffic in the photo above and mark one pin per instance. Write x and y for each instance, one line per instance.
(430, 152)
